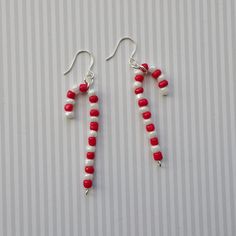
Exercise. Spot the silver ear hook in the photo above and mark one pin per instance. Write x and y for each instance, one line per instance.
(89, 77)
(132, 61)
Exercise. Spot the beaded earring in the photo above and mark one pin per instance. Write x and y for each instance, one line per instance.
(140, 71)
(83, 88)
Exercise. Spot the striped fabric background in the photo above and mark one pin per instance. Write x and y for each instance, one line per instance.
(42, 154)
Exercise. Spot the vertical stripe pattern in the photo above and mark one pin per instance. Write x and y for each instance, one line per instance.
(42, 154)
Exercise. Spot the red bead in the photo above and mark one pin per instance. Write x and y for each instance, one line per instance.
(92, 141)
(83, 88)
(71, 94)
(94, 126)
(138, 90)
(145, 65)
(93, 98)
(88, 183)
(157, 156)
(94, 112)
(156, 74)
(139, 78)
(68, 107)
(142, 102)
(147, 115)
(90, 155)
(150, 127)
(89, 169)
(154, 141)
(163, 84)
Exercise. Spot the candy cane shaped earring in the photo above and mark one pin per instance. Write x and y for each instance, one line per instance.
(83, 88)
(140, 71)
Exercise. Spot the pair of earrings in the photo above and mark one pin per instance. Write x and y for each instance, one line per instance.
(140, 71)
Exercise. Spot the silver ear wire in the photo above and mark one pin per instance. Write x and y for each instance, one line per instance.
(132, 61)
(89, 76)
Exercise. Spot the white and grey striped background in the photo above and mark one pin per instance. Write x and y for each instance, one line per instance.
(42, 154)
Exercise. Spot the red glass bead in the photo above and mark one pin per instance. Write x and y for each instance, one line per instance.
(154, 141)
(94, 126)
(93, 98)
(139, 78)
(156, 74)
(138, 90)
(92, 141)
(157, 156)
(89, 169)
(68, 107)
(150, 127)
(147, 115)
(88, 183)
(94, 112)
(163, 84)
(90, 155)
(83, 88)
(70, 94)
(142, 102)
(145, 65)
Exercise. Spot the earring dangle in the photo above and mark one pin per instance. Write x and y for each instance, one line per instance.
(140, 71)
(85, 87)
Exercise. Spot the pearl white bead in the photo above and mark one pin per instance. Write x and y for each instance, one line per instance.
(91, 92)
(155, 148)
(75, 89)
(91, 148)
(164, 91)
(138, 72)
(137, 84)
(89, 162)
(152, 134)
(152, 69)
(147, 121)
(88, 176)
(93, 133)
(139, 96)
(94, 119)
(69, 114)
(143, 109)
(94, 106)
(70, 101)
(161, 78)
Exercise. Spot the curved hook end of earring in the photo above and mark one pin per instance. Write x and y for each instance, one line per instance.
(117, 45)
(75, 57)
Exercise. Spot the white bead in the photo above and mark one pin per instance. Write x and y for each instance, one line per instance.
(164, 91)
(138, 72)
(91, 148)
(152, 134)
(161, 78)
(94, 106)
(147, 121)
(70, 101)
(93, 133)
(91, 92)
(137, 84)
(143, 109)
(94, 119)
(69, 114)
(155, 148)
(152, 69)
(139, 96)
(88, 176)
(89, 162)
(75, 89)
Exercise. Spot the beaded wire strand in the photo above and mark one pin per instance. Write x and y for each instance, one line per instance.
(141, 71)
(83, 88)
